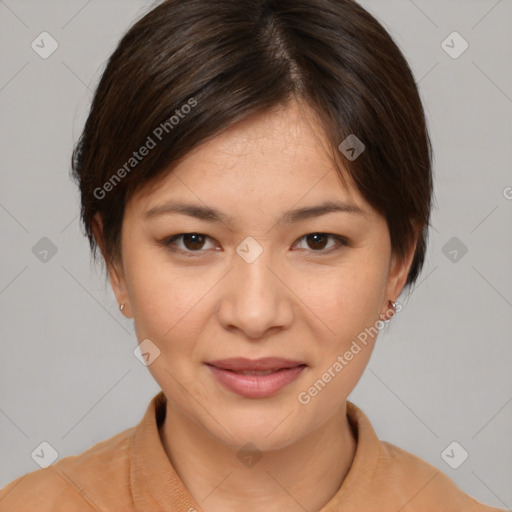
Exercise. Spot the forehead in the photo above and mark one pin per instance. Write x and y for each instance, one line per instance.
(277, 158)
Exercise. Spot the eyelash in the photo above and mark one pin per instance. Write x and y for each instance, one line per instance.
(169, 243)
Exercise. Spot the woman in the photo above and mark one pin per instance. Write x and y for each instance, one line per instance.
(257, 176)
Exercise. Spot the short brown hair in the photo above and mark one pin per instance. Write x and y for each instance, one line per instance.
(189, 69)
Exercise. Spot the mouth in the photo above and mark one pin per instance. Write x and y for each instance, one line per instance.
(258, 378)
(265, 364)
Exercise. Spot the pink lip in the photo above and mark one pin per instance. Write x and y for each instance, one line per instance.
(265, 363)
(256, 386)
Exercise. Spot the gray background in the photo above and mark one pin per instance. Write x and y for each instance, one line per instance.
(440, 371)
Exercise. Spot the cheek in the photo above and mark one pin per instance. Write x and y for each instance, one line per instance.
(167, 304)
(345, 300)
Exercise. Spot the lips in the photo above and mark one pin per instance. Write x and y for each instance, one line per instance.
(259, 378)
(255, 366)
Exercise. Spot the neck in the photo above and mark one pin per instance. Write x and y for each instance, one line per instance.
(304, 475)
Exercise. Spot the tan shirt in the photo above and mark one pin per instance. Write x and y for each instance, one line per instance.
(131, 472)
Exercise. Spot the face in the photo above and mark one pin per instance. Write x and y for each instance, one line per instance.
(254, 268)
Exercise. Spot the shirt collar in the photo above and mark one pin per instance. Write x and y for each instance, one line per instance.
(154, 481)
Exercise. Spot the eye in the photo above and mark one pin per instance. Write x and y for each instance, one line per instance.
(318, 241)
(190, 242)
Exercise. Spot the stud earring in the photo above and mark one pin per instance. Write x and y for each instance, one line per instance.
(393, 306)
(121, 307)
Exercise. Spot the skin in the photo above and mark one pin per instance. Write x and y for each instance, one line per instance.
(302, 299)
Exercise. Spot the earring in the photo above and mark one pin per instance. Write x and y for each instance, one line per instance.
(121, 307)
(393, 306)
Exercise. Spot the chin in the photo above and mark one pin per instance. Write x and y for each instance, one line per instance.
(267, 430)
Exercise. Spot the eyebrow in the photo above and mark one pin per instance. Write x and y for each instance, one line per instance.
(209, 214)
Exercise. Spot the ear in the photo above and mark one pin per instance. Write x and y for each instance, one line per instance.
(115, 270)
(398, 272)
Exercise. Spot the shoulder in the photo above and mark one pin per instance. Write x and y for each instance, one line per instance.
(388, 478)
(43, 490)
(424, 487)
(75, 483)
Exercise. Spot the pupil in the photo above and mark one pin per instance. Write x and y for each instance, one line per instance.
(193, 240)
(316, 236)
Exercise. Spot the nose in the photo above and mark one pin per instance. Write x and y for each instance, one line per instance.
(255, 297)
